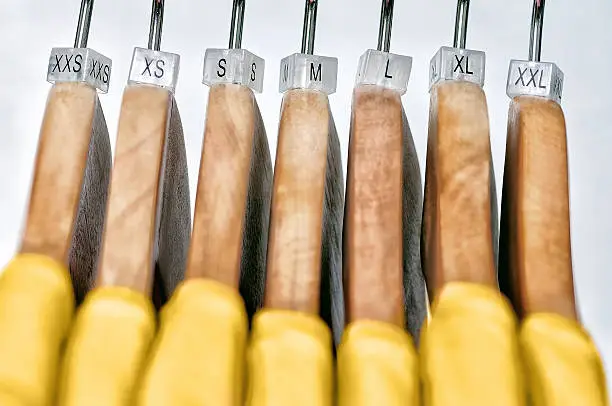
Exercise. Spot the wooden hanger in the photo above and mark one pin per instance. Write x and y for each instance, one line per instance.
(69, 189)
(231, 217)
(459, 236)
(303, 270)
(72, 170)
(386, 300)
(535, 257)
(61, 238)
(148, 217)
(383, 200)
(303, 305)
(472, 327)
(146, 235)
(560, 361)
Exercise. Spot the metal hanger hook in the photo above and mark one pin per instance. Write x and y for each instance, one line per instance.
(386, 22)
(235, 40)
(82, 33)
(157, 21)
(461, 23)
(537, 25)
(310, 26)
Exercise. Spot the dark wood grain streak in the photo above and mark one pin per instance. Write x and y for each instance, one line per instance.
(87, 237)
(257, 220)
(331, 293)
(175, 218)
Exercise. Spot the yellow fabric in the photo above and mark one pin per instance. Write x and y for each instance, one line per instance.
(377, 365)
(561, 363)
(107, 347)
(199, 353)
(469, 353)
(36, 309)
(289, 360)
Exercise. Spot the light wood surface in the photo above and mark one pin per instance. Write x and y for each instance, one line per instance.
(148, 216)
(382, 264)
(70, 184)
(535, 249)
(304, 257)
(232, 209)
(460, 210)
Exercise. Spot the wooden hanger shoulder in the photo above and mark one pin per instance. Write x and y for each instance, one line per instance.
(459, 219)
(306, 215)
(535, 256)
(69, 189)
(148, 216)
(230, 228)
(383, 213)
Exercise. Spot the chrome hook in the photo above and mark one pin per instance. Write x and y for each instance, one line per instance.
(461, 23)
(537, 25)
(82, 33)
(235, 40)
(157, 21)
(310, 26)
(386, 22)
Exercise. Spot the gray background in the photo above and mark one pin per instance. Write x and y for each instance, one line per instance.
(577, 36)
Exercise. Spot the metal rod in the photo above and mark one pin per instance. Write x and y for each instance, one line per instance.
(461, 23)
(310, 26)
(82, 33)
(235, 40)
(537, 25)
(157, 21)
(386, 22)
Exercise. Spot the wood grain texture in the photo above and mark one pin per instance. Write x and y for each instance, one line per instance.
(382, 265)
(70, 185)
(230, 226)
(148, 215)
(304, 254)
(535, 249)
(459, 216)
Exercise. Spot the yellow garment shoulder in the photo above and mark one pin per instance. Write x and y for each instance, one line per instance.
(377, 365)
(289, 360)
(106, 349)
(36, 309)
(469, 351)
(562, 364)
(199, 353)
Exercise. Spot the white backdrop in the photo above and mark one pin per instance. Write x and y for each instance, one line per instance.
(577, 36)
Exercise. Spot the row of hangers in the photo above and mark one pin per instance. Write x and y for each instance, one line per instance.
(304, 69)
(287, 240)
